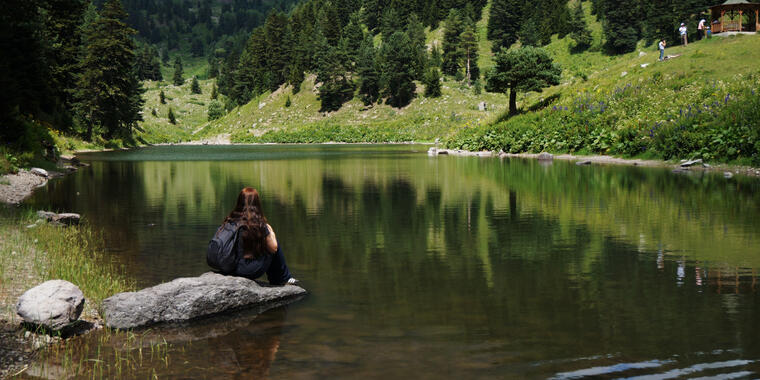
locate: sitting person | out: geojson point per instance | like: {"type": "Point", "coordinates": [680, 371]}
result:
{"type": "Point", "coordinates": [257, 245]}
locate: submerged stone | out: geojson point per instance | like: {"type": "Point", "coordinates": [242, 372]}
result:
{"type": "Point", "coordinates": [188, 298]}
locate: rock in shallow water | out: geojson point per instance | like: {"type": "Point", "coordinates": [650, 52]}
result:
{"type": "Point", "coordinates": [188, 298]}
{"type": "Point", "coordinates": [53, 304]}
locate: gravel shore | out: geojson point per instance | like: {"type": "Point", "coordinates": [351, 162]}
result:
{"type": "Point", "coordinates": [14, 188]}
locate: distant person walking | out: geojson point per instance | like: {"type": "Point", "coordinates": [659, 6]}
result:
{"type": "Point", "coordinates": [682, 31]}
{"type": "Point", "coordinates": [661, 46]}
{"type": "Point", "coordinates": [701, 29]}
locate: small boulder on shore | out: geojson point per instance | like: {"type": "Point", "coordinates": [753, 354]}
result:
{"type": "Point", "coordinates": [53, 304]}
{"type": "Point", "coordinates": [68, 218]}
{"type": "Point", "coordinates": [188, 298]}
{"type": "Point", "coordinates": [543, 156]}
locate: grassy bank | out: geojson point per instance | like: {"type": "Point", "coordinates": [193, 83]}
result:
{"type": "Point", "coordinates": [705, 103]}
{"type": "Point", "coordinates": [45, 252]}
{"type": "Point", "coordinates": [30, 256]}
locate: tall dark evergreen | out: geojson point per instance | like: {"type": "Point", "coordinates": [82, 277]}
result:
{"type": "Point", "coordinates": [276, 35]}
{"type": "Point", "coordinates": [416, 33]}
{"type": "Point", "coordinates": [333, 73]}
{"type": "Point", "coordinates": [109, 95]}
{"type": "Point", "coordinates": [148, 65]}
{"type": "Point", "coordinates": [397, 70]}
{"type": "Point", "coordinates": [369, 75]}
{"type": "Point", "coordinates": [195, 87]}
{"type": "Point", "coordinates": [178, 78]}
{"type": "Point", "coordinates": [580, 32]}
{"type": "Point", "coordinates": [353, 35]}
{"type": "Point", "coordinates": [452, 41]}
{"type": "Point", "coordinates": [504, 21]}
{"type": "Point", "coordinates": [432, 83]}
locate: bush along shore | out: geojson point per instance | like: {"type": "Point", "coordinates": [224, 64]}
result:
{"type": "Point", "coordinates": [665, 117]}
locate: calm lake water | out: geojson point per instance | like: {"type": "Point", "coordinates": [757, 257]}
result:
{"type": "Point", "coordinates": [444, 267]}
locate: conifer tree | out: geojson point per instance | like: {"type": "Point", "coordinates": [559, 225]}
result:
{"type": "Point", "coordinates": [432, 83]}
{"type": "Point", "coordinates": [332, 72]}
{"type": "Point", "coordinates": [162, 97]}
{"type": "Point", "coordinates": [397, 78]}
{"type": "Point", "coordinates": [452, 54]}
{"type": "Point", "coordinates": [109, 94]}
{"type": "Point", "coordinates": [329, 22]}
{"type": "Point", "coordinates": [369, 77]}
{"type": "Point", "coordinates": [469, 46]}
{"type": "Point", "coordinates": [214, 92]}
{"type": "Point", "coordinates": [213, 67]}
{"type": "Point", "coordinates": [195, 87]}
{"type": "Point", "coordinates": [580, 32]}
{"type": "Point", "coordinates": [277, 48]}
{"type": "Point", "coordinates": [390, 22]}
{"type": "Point", "coordinates": [521, 70]}
{"type": "Point", "coordinates": [435, 56]}
{"type": "Point", "coordinates": [171, 117]}
{"type": "Point", "coordinates": [416, 33]}
{"type": "Point", "coordinates": [353, 35]}
{"type": "Point", "coordinates": [504, 22]}
{"type": "Point", "coordinates": [178, 72]}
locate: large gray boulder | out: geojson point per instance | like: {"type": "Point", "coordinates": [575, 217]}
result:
{"type": "Point", "coordinates": [188, 298]}
{"type": "Point", "coordinates": [53, 304]}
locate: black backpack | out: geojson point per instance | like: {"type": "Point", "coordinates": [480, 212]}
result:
{"type": "Point", "coordinates": [222, 253]}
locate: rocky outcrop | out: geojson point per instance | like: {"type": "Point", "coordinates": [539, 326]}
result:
{"type": "Point", "coordinates": [188, 298]}
{"type": "Point", "coordinates": [53, 304]}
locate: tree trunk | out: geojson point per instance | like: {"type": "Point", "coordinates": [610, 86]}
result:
{"type": "Point", "coordinates": [468, 67]}
{"type": "Point", "coordinates": [512, 101]}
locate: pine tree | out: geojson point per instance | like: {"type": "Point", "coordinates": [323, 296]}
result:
{"type": "Point", "coordinates": [416, 33]}
{"type": "Point", "coordinates": [109, 93]}
{"type": "Point", "coordinates": [195, 87]}
{"type": "Point", "coordinates": [397, 70]}
{"type": "Point", "coordinates": [390, 22]}
{"type": "Point", "coordinates": [353, 35]}
{"type": "Point", "coordinates": [178, 72]}
{"type": "Point", "coordinates": [215, 110]}
{"type": "Point", "coordinates": [213, 67]}
{"type": "Point", "coordinates": [530, 34]}
{"type": "Point", "coordinates": [162, 97]}
{"type": "Point", "coordinates": [196, 47]}
{"type": "Point", "coordinates": [524, 69]}
{"type": "Point", "coordinates": [432, 83]}
{"type": "Point", "coordinates": [214, 92]}
{"type": "Point", "coordinates": [170, 116]}
{"type": "Point", "coordinates": [369, 77]}
{"type": "Point", "coordinates": [332, 72]}
{"type": "Point", "coordinates": [469, 46]}
{"type": "Point", "coordinates": [580, 32]}
{"type": "Point", "coordinates": [276, 40]}
{"type": "Point", "coordinates": [452, 54]}
{"type": "Point", "coordinates": [435, 56]}
{"type": "Point", "coordinates": [505, 19]}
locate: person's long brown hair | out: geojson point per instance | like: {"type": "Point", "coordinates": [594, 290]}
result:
{"type": "Point", "coordinates": [249, 218]}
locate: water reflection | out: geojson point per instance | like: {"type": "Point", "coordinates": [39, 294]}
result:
{"type": "Point", "coordinates": [475, 268]}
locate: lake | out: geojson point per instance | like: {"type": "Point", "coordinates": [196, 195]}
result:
{"type": "Point", "coordinates": [443, 267]}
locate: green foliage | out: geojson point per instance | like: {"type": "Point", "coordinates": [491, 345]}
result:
{"type": "Point", "coordinates": [452, 41]}
{"type": "Point", "coordinates": [195, 88]}
{"type": "Point", "coordinates": [148, 65]}
{"type": "Point", "coordinates": [524, 69]}
{"type": "Point", "coordinates": [469, 45]}
{"type": "Point", "coordinates": [162, 97]}
{"type": "Point", "coordinates": [215, 110]}
{"type": "Point", "coordinates": [397, 68]}
{"type": "Point", "coordinates": [504, 22]}
{"type": "Point", "coordinates": [580, 31]}
{"type": "Point", "coordinates": [432, 83]}
{"type": "Point", "coordinates": [336, 87]}
{"type": "Point", "coordinates": [325, 132]}
{"type": "Point", "coordinates": [287, 102]}
{"type": "Point", "coordinates": [369, 76]}
{"type": "Point", "coordinates": [171, 117]}
{"type": "Point", "coordinates": [214, 92]}
{"type": "Point", "coordinates": [178, 78]}
{"type": "Point", "coordinates": [109, 95]}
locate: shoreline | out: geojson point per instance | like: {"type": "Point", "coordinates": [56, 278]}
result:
{"type": "Point", "coordinates": [678, 167]}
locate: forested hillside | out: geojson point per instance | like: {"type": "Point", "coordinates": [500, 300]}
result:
{"type": "Point", "coordinates": [80, 68]}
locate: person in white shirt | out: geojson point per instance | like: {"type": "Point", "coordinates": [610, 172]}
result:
{"type": "Point", "coordinates": [682, 31]}
{"type": "Point", "coordinates": [701, 29]}
{"type": "Point", "coordinates": [661, 46]}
